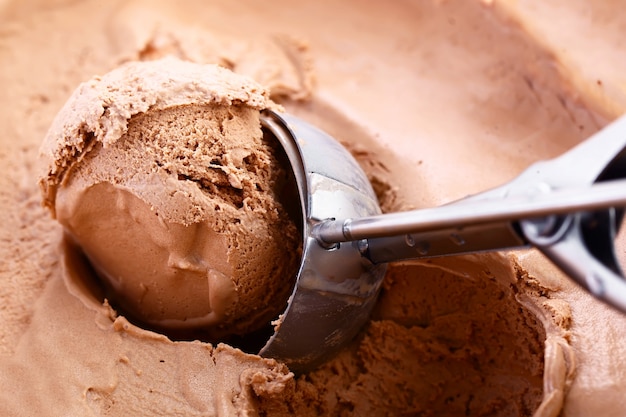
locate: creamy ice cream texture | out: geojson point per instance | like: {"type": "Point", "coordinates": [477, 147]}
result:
{"type": "Point", "coordinates": [160, 172]}
{"type": "Point", "coordinates": [494, 86]}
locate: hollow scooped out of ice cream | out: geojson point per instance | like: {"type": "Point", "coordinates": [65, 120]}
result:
{"type": "Point", "coordinates": [161, 173]}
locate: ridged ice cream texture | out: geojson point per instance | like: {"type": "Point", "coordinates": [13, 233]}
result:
{"type": "Point", "coordinates": [162, 175]}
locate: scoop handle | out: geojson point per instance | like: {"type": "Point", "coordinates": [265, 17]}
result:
{"type": "Point", "coordinates": [582, 246]}
{"type": "Point", "coordinates": [570, 183]}
{"type": "Point", "coordinates": [570, 208]}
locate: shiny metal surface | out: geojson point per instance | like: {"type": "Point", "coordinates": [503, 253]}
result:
{"type": "Point", "coordinates": [336, 287]}
{"type": "Point", "coordinates": [570, 208]}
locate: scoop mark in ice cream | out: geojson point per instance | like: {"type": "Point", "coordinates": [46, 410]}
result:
{"type": "Point", "coordinates": [165, 180]}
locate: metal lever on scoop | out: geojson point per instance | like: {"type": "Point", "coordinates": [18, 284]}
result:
{"type": "Point", "coordinates": [570, 208]}
{"type": "Point", "coordinates": [458, 216]}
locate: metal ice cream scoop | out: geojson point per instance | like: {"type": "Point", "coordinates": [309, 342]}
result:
{"type": "Point", "coordinates": [570, 208]}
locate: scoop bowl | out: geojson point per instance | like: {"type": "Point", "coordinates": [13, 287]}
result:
{"type": "Point", "coordinates": [336, 287]}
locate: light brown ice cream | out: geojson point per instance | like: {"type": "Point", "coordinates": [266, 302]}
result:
{"type": "Point", "coordinates": [436, 99]}
{"type": "Point", "coordinates": [161, 174]}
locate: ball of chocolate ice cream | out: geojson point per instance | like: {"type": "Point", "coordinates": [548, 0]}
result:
{"type": "Point", "coordinates": [160, 172]}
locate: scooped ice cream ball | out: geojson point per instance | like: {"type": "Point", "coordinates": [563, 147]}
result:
{"type": "Point", "coordinates": [161, 174]}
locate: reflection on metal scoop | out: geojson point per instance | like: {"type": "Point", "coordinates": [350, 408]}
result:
{"type": "Point", "coordinates": [570, 208]}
